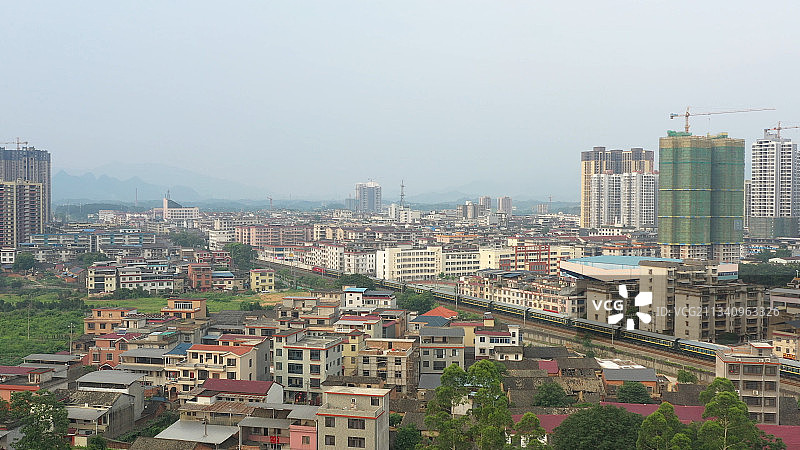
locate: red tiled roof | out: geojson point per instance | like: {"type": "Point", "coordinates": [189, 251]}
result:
{"type": "Point", "coordinates": [548, 421]}
{"type": "Point", "coordinates": [550, 366]}
{"type": "Point", "coordinates": [789, 433]}
{"type": "Point", "coordinates": [237, 386]}
{"type": "Point", "coordinates": [441, 311]}
{"type": "Point", "coordinates": [15, 370]}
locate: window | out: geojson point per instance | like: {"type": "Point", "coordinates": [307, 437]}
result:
{"type": "Point", "coordinates": [315, 355]}
{"type": "Point", "coordinates": [770, 370]}
{"type": "Point", "coordinates": [753, 369]}
{"type": "Point", "coordinates": [426, 352]}
{"type": "Point", "coordinates": [454, 352]}
{"type": "Point", "coordinates": [231, 362]}
{"type": "Point", "coordinates": [356, 442]}
{"type": "Point", "coordinates": [278, 352]}
{"type": "Point", "coordinates": [733, 369]}
{"type": "Point", "coordinates": [375, 401]}
{"type": "Point", "coordinates": [426, 363]}
{"type": "Point", "coordinates": [278, 366]}
{"type": "Point", "coordinates": [330, 422]}
{"type": "Point", "coordinates": [366, 373]}
{"type": "Point", "coordinates": [315, 369]}
{"type": "Point", "coordinates": [398, 361]}
{"type": "Point", "coordinates": [306, 440]}
{"type": "Point", "coordinates": [314, 383]}
{"type": "Point", "coordinates": [438, 365]}
{"type": "Point", "coordinates": [295, 368]}
{"type": "Point", "coordinates": [352, 348]}
{"type": "Point", "coordinates": [330, 440]}
{"type": "Point", "coordinates": [295, 355]}
{"type": "Point", "coordinates": [90, 326]}
{"type": "Point", "coordinates": [365, 360]}
{"type": "Point", "coordinates": [96, 357]}
{"type": "Point", "coordinates": [231, 375]}
{"type": "Point", "coordinates": [109, 357]}
{"type": "Point", "coordinates": [356, 424]}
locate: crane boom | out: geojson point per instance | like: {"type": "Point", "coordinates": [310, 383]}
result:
{"type": "Point", "coordinates": [779, 128]}
{"type": "Point", "coordinates": [687, 114]}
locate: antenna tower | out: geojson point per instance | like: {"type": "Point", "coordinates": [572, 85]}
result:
{"type": "Point", "coordinates": [402, 193]}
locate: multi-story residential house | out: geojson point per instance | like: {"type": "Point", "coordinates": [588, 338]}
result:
{"type": "Point", "coordinates": [147, 362]}
{"type": "Point", "coordinates": [259, 236]}
{"type": "Point", "coordinates": [149, 280]}
{"type": "Point", "coordinates": [262, 280]}
{"type": "Point", "coordinates": [199, 276]}
{"type": "Point", "coordinates": [303, 362]}
{"type": "Point", "coordinates": [440, 347]}
{"type": "Point", "coordinates": [186, 308]}
{"type": "Point", "coordinates": [371, 325]}
{"type": "Point", "coordinates": [406, 263]}
{"type": "Point", "coordinates": [526, 289]}
{"type": "Point", "coordinates": [115, 381]}
{"type": "Point", "coordinates": [786, 343]}
{"type": "Point", "coordinates": [352, 344]}
{"type": "Point", "coordinates": [107, 348]}
{"type": "Point", "coordinates": [101, 278]}
{"type": "Point", "coordinates": [104, 320]}
{"type": "Point", "coordinates": [366, 298]}
{"type": "Point", "coordinates": [755, 372]}
{"type": "Point", "coordinates": [352, 417]}
{"type": "Point", "coordinates": [201, 362]}
{"type": "Point", "coordinates": [487, 341]}
{"type": "Point", "coordinates": [394, 361]}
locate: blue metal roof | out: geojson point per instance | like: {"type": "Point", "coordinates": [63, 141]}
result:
{"type": "Point", "coordinates": [617, 262]}
{"type": "Point", "coordinates": [180, 349]}
{"type": "Point", "coordinates": [356, 289]}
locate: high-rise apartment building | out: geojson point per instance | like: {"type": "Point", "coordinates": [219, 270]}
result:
{"type": "Point", "coordinates": [701, 196]}
{"type": "Point", "coordinates": [627, 199]}
{"type": "Point", "coordinates": [775, 188]}
{"type": "Point", "coordinates": [28, 164]}
{"type": "Point", "coordinates": [486, 202]}
{"type": "Point", "coordinates": [23, 211]}
{"type": "Point", "coordinates": [600, 160]}
{"type": "Point", "coordinates": [504, 205]}
{"type": "Point", "coordinates": [368, 197]}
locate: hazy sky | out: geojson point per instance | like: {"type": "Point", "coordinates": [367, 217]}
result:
{"type": "Point", "coordinates": [310, 97]}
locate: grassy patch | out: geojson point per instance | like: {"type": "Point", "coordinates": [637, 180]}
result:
{"type": "Point", "coordinates": [49, 333]}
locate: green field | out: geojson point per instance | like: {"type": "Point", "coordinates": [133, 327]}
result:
{"type": "Point", "coordinates": [49, 333]}
{"type": "Point", "coordinates": [215, 301]}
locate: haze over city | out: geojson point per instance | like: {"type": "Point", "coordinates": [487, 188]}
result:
{"type": "Point", "coordinates": [449, 96]}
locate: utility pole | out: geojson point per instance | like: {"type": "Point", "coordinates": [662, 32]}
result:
{"type": "Point", "coordinates": [71, 326]}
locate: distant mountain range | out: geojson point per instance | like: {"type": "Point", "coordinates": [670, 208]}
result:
{"type": "Point", "coordinates": [152, 182]}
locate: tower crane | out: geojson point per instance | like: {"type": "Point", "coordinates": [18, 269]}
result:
{"type": "Point", "coordinates": [18, 143]}
{"type": "Point", "coordinates": [710, 113]}
{"type": "Point", "coordinates": [779, 128]}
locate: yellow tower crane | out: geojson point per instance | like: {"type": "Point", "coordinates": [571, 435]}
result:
{"type": "Point", "coordinates": [779, 128]}
{"type": "Point", "coordinates": [687, 114]}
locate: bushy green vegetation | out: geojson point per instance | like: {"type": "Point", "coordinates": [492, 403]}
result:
{"type": "Point", "coordinates": [551, 394]}
{"type": "Point", "coordinates": [357, 280]}
{"type": "Point", "coordinates": [766, 255]}
{"type": "Point", "coordinates": [242, 255]}
{"type": "Point", "coordinates": [187, 239]}
{"type": "Point", "coordinates": [420, 303]}
{"type": "Point", "coordinates": [770, 275]}
{"type": "Point", "coordinates": [151, 428]}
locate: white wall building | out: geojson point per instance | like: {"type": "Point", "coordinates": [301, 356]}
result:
{"type": "Point", "coordinates": [627, 199]}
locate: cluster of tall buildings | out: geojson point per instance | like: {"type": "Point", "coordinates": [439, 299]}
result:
{"type": "Point", "coordinates": [25, 193]}
{"type": "Point", "coordinates": [618, 188]}
{"type": "Point", "coordinates": [698, 197]}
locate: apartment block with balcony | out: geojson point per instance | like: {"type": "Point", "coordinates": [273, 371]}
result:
{"type": "Point", "coordinates": [440, 347]}
{"type": "Point", "coordinates": [101, 278]}
{"type": "Point", "coordinates": [105, 320]}
{"type": "Point", "coordinates": [303, 362]}
{"type": "Point", "coordinates": [367, 298]}
{"type": "Point", "coordinates": [185, 308]}
{"type": "Point", "coordinates": [371, 325]}
{"type": "Point", "coordinates": [487, 341]}
{"type": "Point", "coordinates": [755, 372]}
{"type": "Point", "coordinates": [199, 275]}
{"type": "Point", "coordinates": [201, 362]}
{"type": "Point", "coordinates": [107, 348]}
{"type": "Point", "coordinates": [352, 417]}
{"type": "Point", "coordinates": [262, 280]}
{"type": "Point", "coordinates": [394, 361]}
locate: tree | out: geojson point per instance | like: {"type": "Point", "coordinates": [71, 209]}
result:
{"type": "Point", "coordinates": [551, 394]}
{"type": "Point", "coordinates": [421, 303]}
{"type": "Point", "coordinates": [452, 430]}
{"type": "Point", "coordinates": [659, 428]}
{"type": "Point", "coordinates": [44, 421]}
{"type": "Point", "coordinates": [684, 376]}
{"type": "Point", "coordinates": [356, 279]}
{"type": "Point", "coordinates": [489, 404]}
{"type": "Point", "coordinates": [633, 392]}
{"type": "Point", "coordinates": [598, 428]}
{"type": "Point", "coordinates": [407, 437]}
{"type": "Point", "coordinates": [730, 426]}
{"type": "Point", "coordinates": [23, 261]}
{"type": "Point", "coordinates": [87, 259]}
{"type": "Point", "coordinates": [529, 431]}
{"type": "Point", "coordinates": [187, 239]}
{"type": "Point", "coordinates": [395, 419]}
{"type": "Point", "coordinates": [241, 254]}
{"type": "Point", "coordinates": [718, 385]}
{"type": "Point", "coordinates": [96, 442]}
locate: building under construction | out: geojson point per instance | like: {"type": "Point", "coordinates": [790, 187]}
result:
{"type": "Point", "coordinates": [701, 196]}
